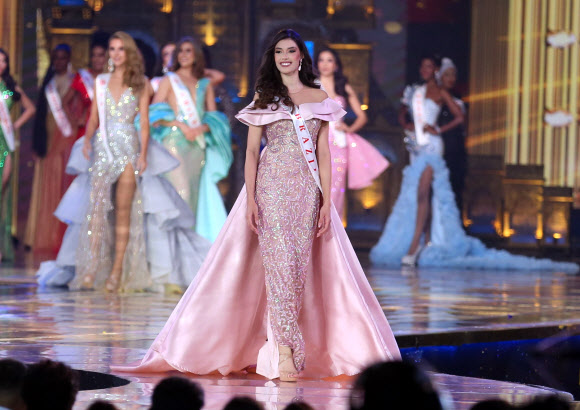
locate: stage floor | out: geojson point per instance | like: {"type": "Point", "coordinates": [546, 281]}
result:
{"type": "Point", "coordinates": [91, 330]}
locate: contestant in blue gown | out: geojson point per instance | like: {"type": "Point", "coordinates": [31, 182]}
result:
{"type": "Point", "coordinates": [424, 227]}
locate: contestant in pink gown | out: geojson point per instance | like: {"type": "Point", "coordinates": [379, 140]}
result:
{"type": "Point", "coordinates": [284, 287]}
{"type": "Point", "coordinates": [353, 159]}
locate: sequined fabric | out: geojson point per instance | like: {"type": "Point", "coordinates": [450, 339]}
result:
{"type": "Point", "coordinates": [186, 177]}
{"type": "Point", "coordinates": [6, 248]}
{"type": "Point", "coordinates": [288, 202]}
{"type": "Point", "coordinates": [97, 239]}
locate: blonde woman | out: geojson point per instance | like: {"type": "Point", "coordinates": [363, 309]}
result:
{"type": "Point", "coordinates": [129, 230]}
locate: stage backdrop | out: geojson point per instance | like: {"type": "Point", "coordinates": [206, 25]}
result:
{"type": "Point", "coordinates": [524, 87]}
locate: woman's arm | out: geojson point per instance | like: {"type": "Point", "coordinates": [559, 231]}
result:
{"type": "Point", "coordinates": [250, 172]}
{"type": "Point", "coordinates": [455, 110]}
{"type": "Point", "coordinates": [215, 76]}
{"type": "Point", "coordinates": [162, 93]}
{"type": "Point", "coordinates": [66, 100]}
{"type": "Point", "coordinates": [144, 99]}
{"type": "Point", "coordinates": [92, 126]}
{"type": "Point", "coordinates": [210, 104]}
{"type": "Point", "coordinates": [323, 156]}
{"type": "Point", "coordinates": [28, 109]}
{"type": "Point", "coordinates": [361, 116]}
{"type": "Point", "coordinates": [403, 118]}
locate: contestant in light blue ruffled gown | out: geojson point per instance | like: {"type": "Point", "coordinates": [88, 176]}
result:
{"type": "Point", "coordinates": [425, 212]}
{"type": "Point", "coordinates": [186, 122]}
{"type": "Point", "coordinates": [128, 229]}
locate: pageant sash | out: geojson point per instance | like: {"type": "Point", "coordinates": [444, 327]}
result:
{"type": "Point", "coordinates": [339, 135]}
{"type": "Point", "coordinates": [88, 81]}
{"type": "Point", "coordinates": [419, 115]}
{"type": "Point", "coordinates": [155, 81]}
{"type": "Point", "coordinates": [6, 123]}
{"type": "Point", "coordinates": [101, 86]}
{"type": "Point", "coordinates": [305, 140]}
{"type": "Point", "coordinates": [55, 104]}
{"type": "Point", "coordinates": [186, 105]}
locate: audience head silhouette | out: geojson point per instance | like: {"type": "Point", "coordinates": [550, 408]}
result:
{"type": "Point", "coordinates": [299, 405]}
{"type": "Point", "coordinates": [243, 403]}
{"type": "Point", "coordinates": [101, 405]}
{"type": "Point", "coordinates": [12, 374]}
{"type": "Point", "coordinates": [493, 404]}
{"type": "Point", "coordinates": [50, 385]}
{"type": "Point", "coordinates": [177, 393]}
{"type": "Point", "coordinates": [394, 386]}
{"type": "Point", "coordinates": [547, 403]}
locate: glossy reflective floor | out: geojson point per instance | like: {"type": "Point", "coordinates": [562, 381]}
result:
{"type": "Point", "coordinates": [425, 307]}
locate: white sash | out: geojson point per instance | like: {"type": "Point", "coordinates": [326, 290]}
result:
{"type": "Point", "coordinates": [101, 86]}
{"type": "Point", "coordinates": [88, 82]}
{"type": "Point", "coordinates": [186, 105]}
{"type": "Point", "coordinates": [419, 115]}
{"type": "Point", "coordinates": [305, 140]}
{"type": "Point", "coordinates": [339, 135]}
{"type": "Point", "coordinates": [58, 113]}
{"type": "Point", "coordinates": [155, 81]}
{"type": "Point", "coordinates": [6, 123]}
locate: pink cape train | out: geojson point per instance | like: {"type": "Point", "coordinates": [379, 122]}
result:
{"type": "Point", "coordinates": [221, 322]}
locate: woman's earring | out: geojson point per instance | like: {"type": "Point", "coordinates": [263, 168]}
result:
{"type": "Point", "coordinates": [300, 65]}
{"type": "Point", "coordinates": [110, 65]}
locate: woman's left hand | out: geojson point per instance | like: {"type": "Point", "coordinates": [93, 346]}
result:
{"type": "Point", "coordinates": [142, 163]}
{"type": "Point", "coordinates": [341, 126]}
{"type": "Point", "coordinates": [323, 220]}
{"type": "Point", "coordinates": [430, 129]}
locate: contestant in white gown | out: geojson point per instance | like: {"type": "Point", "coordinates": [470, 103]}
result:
{"type": "Point", "coordinates": [424, 227]}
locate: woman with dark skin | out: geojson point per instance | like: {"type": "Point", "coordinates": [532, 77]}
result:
{"type": "Point", "coordinates": [425, 208]}
{"type": "Point", "coordinates": [11, 94]}
{"type": "Point", "coordinates": [52, 144]}
{"type": "Point", "coordinates": [454, 139]}
{"type": "Point", "coordinates": [434, 93]}
{"type": "Point", "coordinates": [82, 92]}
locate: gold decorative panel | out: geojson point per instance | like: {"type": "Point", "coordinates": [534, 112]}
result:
{"type": "Point", "coordinates": [482, 199]}
{"type": "Point", "coordinates": [557, 204]}
{"type": "Point", "coordinates": [356, 61]}
{"type": "Point", "coordinates": [523, 193]}
{"type": "Point", "coordinates": [517, 77]}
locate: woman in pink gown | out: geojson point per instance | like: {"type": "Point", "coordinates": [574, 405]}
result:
{"type": "Point", "coordinates": [352, 157]}
{"type": "Point", "coordinates": [281, 288]}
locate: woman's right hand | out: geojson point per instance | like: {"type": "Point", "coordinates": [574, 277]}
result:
{"type": "Point", "coordinates": [87, 148]}
{"type": "Point", "coordinates": [252, 215]}
{"type": "Point", "coordinates": [191, 133]}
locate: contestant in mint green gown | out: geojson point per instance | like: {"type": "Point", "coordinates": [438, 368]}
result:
{"type": "Point", "coordinates": [203, 162]}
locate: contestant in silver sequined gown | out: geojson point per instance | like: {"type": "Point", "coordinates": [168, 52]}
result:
{"type": "Point", "coordinates": [97, 239]}
{"type": "Point", "coordinates": [288, 201]}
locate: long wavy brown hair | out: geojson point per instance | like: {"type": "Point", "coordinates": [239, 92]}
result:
{"type": "Point", "coordinates": [199, 59]}
{"type": "Point", "coordinates": [269, 85]}
{"type": "Point", "coordinates": [134, 75]}
{"type": "Point", "coordinates": [340, 80]}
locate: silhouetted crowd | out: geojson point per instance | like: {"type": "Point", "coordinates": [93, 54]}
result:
{"type": "Point", "coordinates": [51, 385]}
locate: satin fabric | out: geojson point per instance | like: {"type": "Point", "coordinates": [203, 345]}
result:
{"type": "Point", "coordinates": [209, 208]}
{"type": "Point", "coordinates": [221, 322]}
{"type": "Point", "coordinates": [365, 162]}
{"type": "Point", "coordinates": [354, 158]}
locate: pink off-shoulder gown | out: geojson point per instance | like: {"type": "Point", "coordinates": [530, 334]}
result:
{"type": "Point", "coordinates": [354, 158]}
{"type": "Point", "coordinates": [282, 286]}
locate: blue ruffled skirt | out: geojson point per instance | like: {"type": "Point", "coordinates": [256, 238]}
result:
{"type": "Point", "coordinates": [450, 247]}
